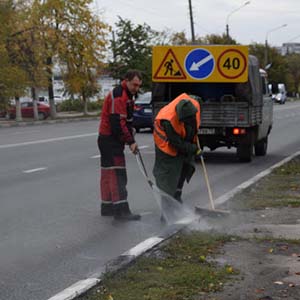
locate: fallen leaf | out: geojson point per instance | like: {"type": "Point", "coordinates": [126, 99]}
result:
{"type": "Point", "coordinates": [284, 247]}
{"type": "Point", "coordinates": [110, 297]}
{"type": "Point", "coordinates": [297, 273]}
{"type": "Point", "coordinates": [259, 291]}
{"type": "Point", "coordinates": [291, 285]}
{"type": "Point", "coordinates": [271, 250]}
{"type": "Point", "coordinates": [295, 255]}
{"type": "Point", "coordinates": [202, 258]}
{"type": "Point", "coordinates": [229, 269]}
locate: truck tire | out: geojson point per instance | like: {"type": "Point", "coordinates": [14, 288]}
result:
{"type": "Point", "coordinates": [245, 152]}
{"type": "Point", "coordinates": [261, 147]}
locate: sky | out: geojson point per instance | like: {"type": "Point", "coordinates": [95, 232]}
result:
{"type": "Point", "coordinates": [252, 23]}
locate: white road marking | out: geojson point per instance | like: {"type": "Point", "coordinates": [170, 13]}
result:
{"type": "Point", "coordinates": [34, 170]}
{"type": "Point", "coordinates": [96, 156]}
{"type": "Point", "coordinates": [63, 138]}
{"type": "Point", "coordinates": [76, 289]}
{"type": "Point", "coordinates": [143, 147]}
{"type": "Point", "coordinates": [143, 246]}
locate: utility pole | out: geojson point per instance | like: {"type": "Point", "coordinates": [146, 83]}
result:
{"type": "Point", "coordinates": [192, 21]}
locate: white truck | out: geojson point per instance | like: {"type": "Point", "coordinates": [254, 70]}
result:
{"type": "Point", "coordinates": [233, 114]}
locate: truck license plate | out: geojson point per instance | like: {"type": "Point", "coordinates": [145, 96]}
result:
{"type": "Point", "coordinates": [206, 131]}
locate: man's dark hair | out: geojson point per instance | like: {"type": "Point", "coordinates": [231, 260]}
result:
{"type": "Point", "coordinates": [130, 74]}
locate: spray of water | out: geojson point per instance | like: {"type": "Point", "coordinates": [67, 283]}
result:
{"type": "Point", "coordinates": [172, 211]}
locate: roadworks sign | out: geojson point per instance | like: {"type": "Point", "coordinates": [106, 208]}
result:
{"type": "Point", "coordinates": [200, 63]}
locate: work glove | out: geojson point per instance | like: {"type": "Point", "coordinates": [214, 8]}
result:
{"type": "Point", "coordinates": [134, 148]}
{"type": "Point", "coordinates": [133, 131]}
{"type": "Point", "coordinates": [198, 155]}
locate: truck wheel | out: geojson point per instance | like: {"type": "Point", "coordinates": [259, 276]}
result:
{"type": "Point", "coordinates": [261, 147]}
{"type": "Point", "coordinates": [245, 152]}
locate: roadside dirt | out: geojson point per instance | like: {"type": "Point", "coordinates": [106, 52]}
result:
{"type": "Point", "coordinates": [266, 254]}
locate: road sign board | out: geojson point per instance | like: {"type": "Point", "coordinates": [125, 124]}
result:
{"type": "Point", "coordinates": [169, 68]}
{"type": "Point", "coordinates": [199, 63]}
{"type": "Point", "coordinates": [205, 63]}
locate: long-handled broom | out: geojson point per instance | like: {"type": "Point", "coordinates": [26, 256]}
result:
{"type": "Point", "coordinates": [212, 211]}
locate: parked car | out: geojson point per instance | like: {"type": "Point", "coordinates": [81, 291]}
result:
{"type": "Point", "coordinates": [2, 113]}
{"type": "Point", "coordinates": [280, 94]}
{"type": "Point", "coordinates": [27, 110]}
{"type": "Point", "coordinates": [143, 115]}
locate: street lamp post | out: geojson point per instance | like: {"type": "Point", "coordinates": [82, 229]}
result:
{"type": "Point", "coordinates": [227, 19]}
{"type": "Point", "coordinates": [266, 41]}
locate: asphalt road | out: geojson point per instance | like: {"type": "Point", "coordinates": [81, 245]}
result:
{"type": "Point", "coordinates": [51, 231]}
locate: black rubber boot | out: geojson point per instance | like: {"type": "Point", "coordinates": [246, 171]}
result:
{"type": "Point", "coordinates": [123, 213]}
{"type": "Point", "coordinates": [127, 217]}
{"type": "Point", "coordinates": [107, 209]}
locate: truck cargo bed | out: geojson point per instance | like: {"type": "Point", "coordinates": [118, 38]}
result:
{"type": "Point", "coordinates": [230, 114]}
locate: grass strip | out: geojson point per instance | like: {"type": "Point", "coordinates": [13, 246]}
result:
{"type": "Point", "coordinates": [179, 269]}
{"type": "Point", "coordinates": [279, 189]}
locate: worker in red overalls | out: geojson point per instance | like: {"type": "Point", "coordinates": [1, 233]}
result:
{"type": "Point", "coordinates": [115, 130]}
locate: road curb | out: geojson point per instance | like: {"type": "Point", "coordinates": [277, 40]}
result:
{"type": "Point", "coordinates": [46, 122]}
{"type": "Point", "coordinates": [253, 180]}
{"type": "Point", "coordinates": [82, 286]}
{"type": "Point", "coordinates": [124, 259]}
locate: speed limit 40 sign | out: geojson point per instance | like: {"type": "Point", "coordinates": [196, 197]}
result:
{"type": "Point", "coordinates": [232, 63]}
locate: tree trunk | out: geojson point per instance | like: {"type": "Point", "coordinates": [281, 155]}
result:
{"type": "Point", "coordinates": [34, 101]}
{"type": "Point", "coordinates": [18, 110]}
{"type": "Point", "coordinates": [85, 105]}
{"type": "Point", "coordinates": [50, 89]}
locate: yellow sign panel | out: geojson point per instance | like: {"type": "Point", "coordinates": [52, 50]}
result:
{"type": "Point", "coordinates": [200, 63]}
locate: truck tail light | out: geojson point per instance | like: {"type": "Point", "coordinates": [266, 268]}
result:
{"type": "Point", "coordinates": [239, 131]}
{"type": "Point", "coordinates": [137, 107]}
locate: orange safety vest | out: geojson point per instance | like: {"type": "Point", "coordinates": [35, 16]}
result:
{"type": "Point", "coordinates": [168, 113]}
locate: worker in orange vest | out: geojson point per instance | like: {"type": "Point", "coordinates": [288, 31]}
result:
{"type": "Point", "coordinates": [175, 134]}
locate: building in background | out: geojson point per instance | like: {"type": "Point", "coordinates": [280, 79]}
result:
{"type": "Point", "coordinates": [289, 48]}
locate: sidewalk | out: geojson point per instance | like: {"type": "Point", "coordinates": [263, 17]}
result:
{"type": "Point", "coordinates": [62, 117]}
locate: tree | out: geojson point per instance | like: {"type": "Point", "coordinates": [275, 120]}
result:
{"type": "Point", "coordinates": [132, 50]}
{"type": "Point", "coordinates": [76, 40]}
{"type": "Point", "coordinates": [278, 70]}
{"type": "Point", "coordinates": [13, 79]}
{"type": "Point", "coordinates": [215, 39]}
{"type": "Point", "coordinates": [26, 46]}
{"type": "Point", "coordinates": [293, 64]}
{"type": "Point", "coordinates": [82, 49]}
